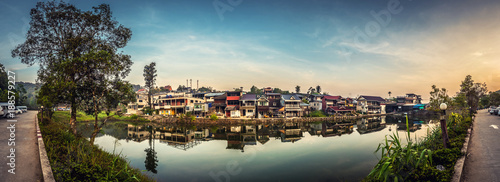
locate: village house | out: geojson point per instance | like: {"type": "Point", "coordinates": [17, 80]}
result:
{"type": "Point", "coordinates": [315, 102]}
{"type": "Point", "coordinates": [292, 105]}
{"type": "Point", "coordinates": [371, 104]}
{"type": "Point", "coordinates": [275, 103]}
{"type": "Point", "coordinates": [406, 103]}
{"type": "Point", "coordinates": [248, 105]}
{"type": "Point", "coordinates": [329, 101]}
{"type": "Point", "coordinates": [233, 103]}
{"type": "Point", "coordinates": [177, 104]}
{"type": "Point", "coordinates": [141, 102]}
{"type": "Point", "coordinates": [262, 106]}
{"type": "Point", "coordinates": [220, 104]}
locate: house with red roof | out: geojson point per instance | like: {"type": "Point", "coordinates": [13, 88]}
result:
{"type": "Point", "coordinates": [233, 103]}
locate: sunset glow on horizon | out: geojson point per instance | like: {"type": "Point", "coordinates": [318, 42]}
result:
{"type": "Point", "coordinates": [349, 48]}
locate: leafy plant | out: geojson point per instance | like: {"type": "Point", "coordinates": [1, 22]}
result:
{"type": "Point", "coordinates": [397, 161]}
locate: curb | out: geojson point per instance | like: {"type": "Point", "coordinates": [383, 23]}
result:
{"type": "Point", "coordinates": [459, 165]}
{"type": "Point", "coordinates": [44, 160]}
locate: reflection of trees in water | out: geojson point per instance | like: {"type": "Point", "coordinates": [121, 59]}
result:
{"type": "Point", "coordinates": [151, 161]}
{"type": "Point", "coordinates": [117, 130]}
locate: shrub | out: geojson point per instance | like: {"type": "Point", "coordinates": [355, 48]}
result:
{"type": "Point", "coordinates": [73, 158]}
{"type": "Point", "coordinates": [213, 117]}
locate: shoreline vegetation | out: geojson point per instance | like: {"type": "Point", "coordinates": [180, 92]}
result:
{"type": "Point", "coordinates": [73, 158]}
{"type": "Point", "coordinates": [424, 160]}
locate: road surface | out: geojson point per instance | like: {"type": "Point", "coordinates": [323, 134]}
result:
{"type": "Point", "coordinates": [25, 158]}
{"type": "Point", "coordinates": [483, 160]}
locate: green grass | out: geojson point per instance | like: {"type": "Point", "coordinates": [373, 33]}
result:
{"type": "Point", "coordinates": [72, 158]}
{"type": "Point", "coordinates": [83, 117]}
{"type": "Point", "coordinates": [418, 160]}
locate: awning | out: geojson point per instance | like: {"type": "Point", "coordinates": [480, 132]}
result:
{"type": "Point", "coordinates": [282, 109]}
{"type": "Point", "coordinates": [418, 106]}
{"type": "Point", "coordinates": [230, 108]}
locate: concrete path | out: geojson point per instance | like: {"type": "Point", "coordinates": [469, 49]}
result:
{"type": "Point", "coordinates": [483, 160]}
{"type": "Point", "coordinates": [26, 155]}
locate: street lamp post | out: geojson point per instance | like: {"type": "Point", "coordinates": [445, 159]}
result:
{"type": "Point", "coordinates": [444, 130]}
{"type": "Point", "coordinates": [42, 113]}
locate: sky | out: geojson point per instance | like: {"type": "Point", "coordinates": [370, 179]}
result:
{"type": "Point", "coordinates": [349, 48]}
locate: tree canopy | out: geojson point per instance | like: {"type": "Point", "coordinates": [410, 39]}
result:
{"type": "Point", "coordinates": [150, 79]}
{"type": "Point", "coordinates": [75, 50]}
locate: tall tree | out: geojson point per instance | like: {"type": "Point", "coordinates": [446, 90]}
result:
{"type": "Point", "coordinates": [389, 93]}
{"type": "Point", "coordinates": [473, 92]}
{"type": "Point", "coordinates": [318, 89]}
{"type": "Point", "coordinates": [438, 96]}
{"type": "Point", "coordinates": [62, 38]}
{"type": "Point", "coordinates": [297, 89]}
{"type": "Point", "coordinates": [150, 79]}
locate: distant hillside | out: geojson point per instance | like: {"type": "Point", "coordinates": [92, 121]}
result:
{"type": "Point", "coordinates": [31, 90]}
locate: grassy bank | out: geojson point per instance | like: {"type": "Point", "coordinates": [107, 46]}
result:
{"type": "Point", "coordinates": [83, 117]}
{"type": "Point", "coordinates": [72, 158]}
{"type": "Point", "coordinates": [425, 160]}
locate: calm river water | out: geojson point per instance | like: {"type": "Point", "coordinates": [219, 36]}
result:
{"type": "Point", "coordinates": [276, 152]}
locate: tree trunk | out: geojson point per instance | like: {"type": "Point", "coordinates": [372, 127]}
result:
{"type": "Point", "coordinates": [72, 121]}
{"type": "Point", "coordinates": [96, 129]}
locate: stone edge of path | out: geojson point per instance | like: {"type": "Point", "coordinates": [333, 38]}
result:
{"type": "Point", "coordinates": [44, 160]}
{"type": "Point", "coordinates": [459, 165]}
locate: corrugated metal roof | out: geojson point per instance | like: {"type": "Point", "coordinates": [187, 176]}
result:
{"type": "Point", "coordinates": [329, 97]}
{"type": "Point", "coordinates": [249, 97]}
{"type": "Point", "coordinates": [214, 94]}
{"type": "Point", "coordinates": [289, 96]}
{"type": "Point", "coordinates": [373, 98]}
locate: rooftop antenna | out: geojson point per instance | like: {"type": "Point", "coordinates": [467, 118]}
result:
{"type": "Point", "coordinates": [191, 83]}
{"type": "Point", "coordinates": [197, 84]}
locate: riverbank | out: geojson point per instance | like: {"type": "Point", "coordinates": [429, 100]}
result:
{"type": "Point", "coordinates": [172, 120]}
{"type": "Point", "coordinates": [74, 158]}
{"type": "Point", "coordinates": [425, 160]}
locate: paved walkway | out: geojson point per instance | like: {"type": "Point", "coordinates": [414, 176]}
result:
{"type": "Point", "coordinates": [483, 160]}
{"type": "Point", "coordinates": [27, 158]}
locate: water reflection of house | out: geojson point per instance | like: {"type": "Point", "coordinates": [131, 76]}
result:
{"type": "Point", "coordinates": [249, 135]}
{"type": "Point", "coordinates": [203, 134]}
{"type": "Point", "coordinates": [137, 133]}
{"type": "Point", "coordinates": [315, 129]}
{"type": "Point", "coordinates": [180, 138]}
{"type": "Point", "coordinates": [237, 136]}
{"type": "Point", "coordinates": [336, 129]}
{"type": "Point", "coordinates": [368, 125]}
{"type": "Point", "coordinates": [263, 132]}
{"type": "Point", "coordinates": [291, 132]}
